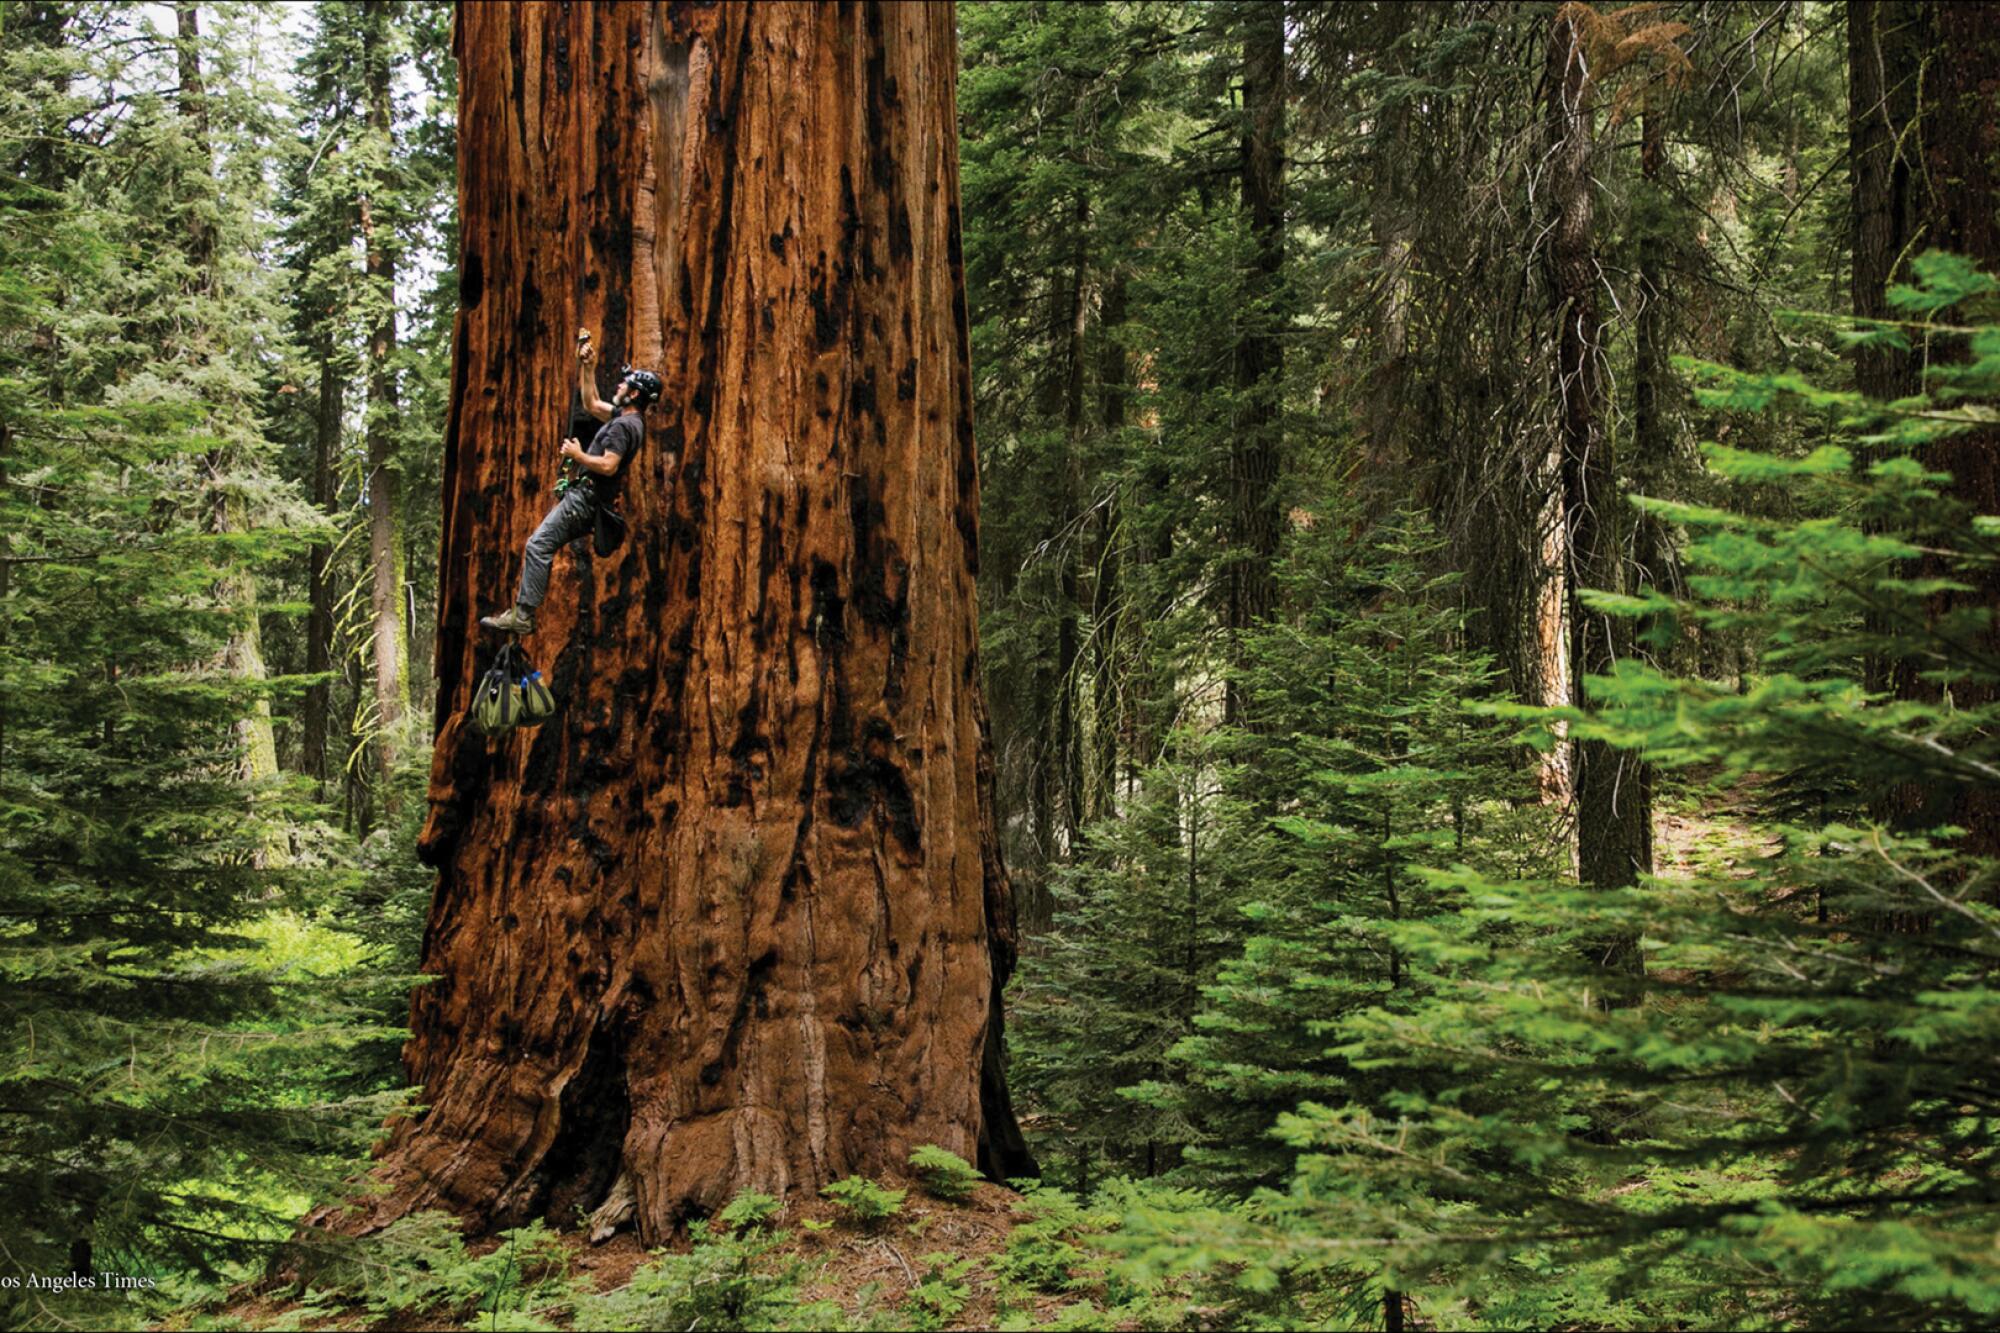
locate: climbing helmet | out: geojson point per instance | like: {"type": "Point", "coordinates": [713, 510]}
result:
{"type": "Point", "coordinates": [644, 383]}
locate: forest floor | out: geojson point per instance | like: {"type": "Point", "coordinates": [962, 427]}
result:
{"type": "Point", "coordinates": [1709, 832]}
{"type": "Point", "coordinates": [871, 1274]}
{"type": "Point", "coordinates": [931, 1265]}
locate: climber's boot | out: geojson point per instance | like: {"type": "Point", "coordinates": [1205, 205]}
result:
{"type": "Point", "coordinates": [520, 620]}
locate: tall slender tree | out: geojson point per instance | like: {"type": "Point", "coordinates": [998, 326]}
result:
{"type": "Point", "coordinates": [1614, 838]}
{"type": "Point", "coordinates": [386, 557]}
{"type": "Point", "coordinates": [1257, 447]}
{"type": "Point", "coordinates": [233, 469]}
{"type": "Point", "coordinates": [1960, 196]}
{"type": "Point", "coordinates": [1921, 81]}
{"type": "Point", "coordinates": [1886, 44]}
{"type": "Point", "coordinates": [153, 1063]}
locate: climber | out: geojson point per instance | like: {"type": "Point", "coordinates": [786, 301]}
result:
{"type": "Point", "coordinates": [575, 514]}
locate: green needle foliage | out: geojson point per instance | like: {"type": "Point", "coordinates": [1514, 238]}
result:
{"type": "Point", "coordinates": [1365, 769]}
{"type": "Point", "coordinates": [163, 1111]}
{"type": "Point", "coordinates": [1790, 1119]}
{"type": "Point", "coordinates": [1210, 939]}
{"type": "Point", "coordinates": [1142, 922]}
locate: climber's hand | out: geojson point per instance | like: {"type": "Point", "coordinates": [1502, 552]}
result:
{"type": "Point", "coordinates": [571, 449]}
{"type": "Point", "coordinates": [586, 351]}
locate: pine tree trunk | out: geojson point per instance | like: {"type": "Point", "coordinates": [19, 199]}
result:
{"type": "Point", "coordinates": [1655, 398]}
{"type": "Point", "coordinates": [1106, 610]}
{"type": "Point", "coordinates": [1924, 91]}
{"type": "Point", "coordinates": [734, 918]}
{"type": "Point", "coordinates": [1655, 392]}
{"type": "Point", "coordinates": [1613, 823]}
{"type": "Point", "coordinates": [1885, 50]}
{"type": "Point", "coordinates": [1545, 637]}
{"type": "Point", "coordinates": [243, 656]}
{"type": "Point", "coordinates": [1383, 476]}
{"type": "Point", "coordinates": [319, 617]}
{"type": "Point", "coordinates": [385, 541]}
{"type": "Point", "coordinates": [191, 103]}
{"type": "Point", "coordinates": [1069, 719]}
{"type": "Point", "coordinates": [1961, 165]}
{"type": "Point", "coordinates": [1256, 446]}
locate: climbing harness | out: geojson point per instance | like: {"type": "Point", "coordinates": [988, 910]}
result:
{"type": "Point", "coordinates": [511, 694]}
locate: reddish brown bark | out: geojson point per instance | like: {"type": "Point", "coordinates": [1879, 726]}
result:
{"type": "Point", "coordinates": [735, 918]}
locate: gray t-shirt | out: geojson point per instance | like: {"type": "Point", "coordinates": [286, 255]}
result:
{"type": "Point", "coordinates": [622, 435]}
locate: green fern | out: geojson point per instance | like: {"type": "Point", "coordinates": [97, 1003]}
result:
{"type": "Point", "coordinates": [946, 1175]}
{"type": "Point", "coordinates": [863, 1201]}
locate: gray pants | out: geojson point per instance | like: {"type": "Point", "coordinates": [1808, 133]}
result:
{"type": "Point", "coordinates": [572, 517]}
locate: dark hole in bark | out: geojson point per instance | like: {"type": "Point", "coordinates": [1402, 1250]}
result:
{"type": "Point", "coordinates": [471, 282]}
{"type": "Point", "coordinates": [596, 1112]}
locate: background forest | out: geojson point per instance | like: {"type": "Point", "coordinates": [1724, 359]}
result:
{"type": "Point", "coordinates": [1490, 516]}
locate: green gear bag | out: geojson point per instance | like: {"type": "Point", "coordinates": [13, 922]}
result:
{"type": "Point", "coordinates": [537, 703]}
{"type": "Point", "coordinates": [497, 705]}
{"type": "Point", "coordinates": [511, 694]}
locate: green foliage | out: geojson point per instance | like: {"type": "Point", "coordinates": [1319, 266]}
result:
{"type": "Point", "coordinates": [184, 1041]}
{"type": "Point", "coordinates": [338, 156]}
{"type": "Point", "coordinates": [1047, 1246]}
{"type": "Point", "coordinates": [945, 1175]}
{"type": "Point", "coordinates": [749, 1211]}
{"type": "Point", "coordinates": [420, 1265]}
{"type": "Point", "coordinates": [864, 1202]}
{"type": "Point", "coordinates": [1782, 1120]}
{"type": "Point", "coordinates": [1365, 770]}
{"type": "Point", "coordinates": [941, 1294]}
{"type": "Point", "coordinates": [1142, 920]}
{"type": "Point", "coordinates": [727, 1280]}
{"type": "Point", "coordinates": [734, 1275]}
{"type": "Point", "coordinates": [1211, 936]}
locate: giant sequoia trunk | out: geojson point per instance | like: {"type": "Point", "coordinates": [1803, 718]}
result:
{"type": "Point", "coordinates": [735, 917]}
